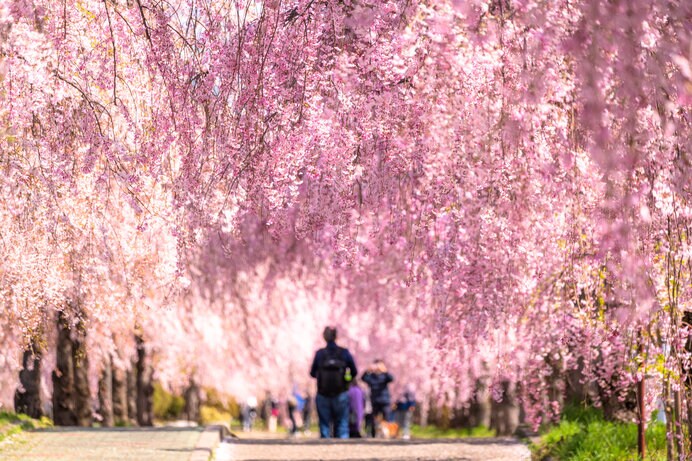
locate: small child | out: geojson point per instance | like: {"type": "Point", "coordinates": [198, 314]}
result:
{"type": "Point", "coordinates": [356, 402]}
{"type": "Point", "coordinates": [404, 408]}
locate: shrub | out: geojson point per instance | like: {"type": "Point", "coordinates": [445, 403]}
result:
{"type": "Point", "coordinates": [434, 432]}
{"type": "Point", "coordinates": [221, 402]}
{"type": "Point", "coordinates": [583, 434]}
{"type": "Point", "coordinates": [210, 415]}
{"type": "Point", "coordinates": [167, 406]}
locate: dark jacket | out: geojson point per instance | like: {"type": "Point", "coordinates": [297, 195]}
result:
{"type": "Point", "coordinates": [345, 356]}
{"type": "Point", "coordinates": [379, 392]}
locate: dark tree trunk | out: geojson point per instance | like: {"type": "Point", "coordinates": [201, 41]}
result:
{"type": "Point", "coordinates": [461, 417]}
{"type": "Point", "coordinates": [687, 382]}
{"type": "Point", "coordinates": [27, 398]}
{"type": "Point", "coordinates": [505, 413]}
{"type": "Point", "coordinates": [420, 412]}
{"type": "Point", "coordinates": [575, 389]}
{"type": "Point", "coordinates": [63, 378]}
{"type": "Point", "coordinates": [106, 395]}
{"type": "Point", "coordinates": [620, 408]}
{"type": "Point", "coordinates": [480, 409]}
{"type": "Point", "coordinates": [83, 408]}
{"type": "Point", "coordinates": [192, 402]}
{"type": "Point", "coordinates": [71, 396]}
{"type": "Point", "coordinates": [145, 388]}
{"type": "Point", "coordinates": [131, 376]}
{"type": "Point", "coordinates": [119, 389]}
{"type": "Point", "coordinates": [80, 360]}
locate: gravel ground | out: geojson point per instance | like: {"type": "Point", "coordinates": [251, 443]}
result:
{"type": "Point", "coordinates": [486, 449]}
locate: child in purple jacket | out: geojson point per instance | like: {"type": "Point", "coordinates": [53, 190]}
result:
{"type": "Point", "coordinates": [356, 399]}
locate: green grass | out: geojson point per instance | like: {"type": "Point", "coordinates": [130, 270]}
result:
{"type": "Point", "coordinates": [432, 432]}
{"type": "Point", "coordinates": [584, 435]}
{"type": "Point", "coordinates": [12, 423]}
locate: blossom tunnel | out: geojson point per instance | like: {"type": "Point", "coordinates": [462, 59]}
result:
{"type": "Point", "coordinates": [492, 195]}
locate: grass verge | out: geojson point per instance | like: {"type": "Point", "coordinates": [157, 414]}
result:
{"type": "Point", "coordinates": [12, 423]}
{"type": "Point", "coordinates": [584, 435]}
{"type": "Point", "coordinates": [432, 432]}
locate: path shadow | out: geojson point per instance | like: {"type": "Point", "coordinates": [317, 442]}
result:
{"type": "Point", "coordinates": [117, 429]}
{"type": "Point", "coordinates": [503, 441]}
{"type": "Point", "coordinates": [413, 458]}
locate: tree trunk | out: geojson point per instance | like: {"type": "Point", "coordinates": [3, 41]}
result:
{"type": "Point", "coordinates": [63, 378]}
{"type": "Point", "coordinates": [80, 360]}
{"type": "Point", "coordinates": [106, 395]}
{"type": "Point", "coordinates": [131, 376]}
{"type": "Point", "coordinates": [71, 396]}
{"type": "Point", "coordinates": [687, 385]}
{"type": "Point", "coordinates": [145, 388]}
{"type": "Point", "coordinates": [679, 431]}
{"type": "Point", "coordinates": [119, 389]}
{"type": "Point", "coordinates": [668, 407]}
{"type": "Point", "coordinates": [505, 413]}
{"type": "Point", "coordinates": [641, 426]}
{"type": "Point", "coordinates": [480, 409]}
{"type": "Point", "coordinates": [192, 402]}
{"type": "Point", "coordinates": [421, 412]}
{"type": "Point", "coordinates": [27, 398]}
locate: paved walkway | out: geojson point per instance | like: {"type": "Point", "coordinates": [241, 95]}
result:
{"type": "Point", "coordinates": [191, 443]}
{"type": "Point", "coordinates": [99, 444]}
{"type": "Point", "coordinates": [490, 449]}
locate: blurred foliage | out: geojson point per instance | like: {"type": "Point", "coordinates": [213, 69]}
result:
{"type": "Point", "coordinates": [584, 434]}
{"type": "Point", "coordinates": [167, 406]}
{"type": "Point", "coordinates": [223, 403]}
{"type": "Point", "coordinates": [12, 423]}
{"type": "Point", "coordinates": [212, 415]}
{"type": "Point", "coordinates": [435, 432]}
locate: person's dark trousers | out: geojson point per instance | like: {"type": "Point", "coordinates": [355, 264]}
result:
{"type": "Point", "coordinates": [380, 409]}
{"type": "Point", "coordinates": [353, 432]}
{"type": "Point", "coordinates": [307, 419]}
{"type": "Point", "coordinates": [333, 411]}
{"type": "Point", "coordinates": [294, 426]}
{"type": "Point", "coordinates": [369, 424]}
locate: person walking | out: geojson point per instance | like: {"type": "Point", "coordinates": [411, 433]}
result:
{"type": "Point", "coordinates": [307, 413]}
{"type": "Point", "coordinates": [378, 378]}
{"type": "Point", "coordinates": [404, 408]}
{"type": "Point", "coordinates": [369, 421]}
{"type": "Point", "coordinates": [270, 412]}
{"type": "Point", "coordinates": [334, 368]}
{"type": "Point", "coordinates": [291, 408]}
{"type": "Point", "coordinates": [249, 413]}
{"type": "Point", "coordinates": [356, 398]}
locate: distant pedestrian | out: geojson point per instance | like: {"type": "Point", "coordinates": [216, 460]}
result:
{"type": "Point", "coordinates": [307, 413]}
{"type": "Point", "coordinates": [404, 409]}
{"type": "Point", "coordinates": [369, 420]}
{"type": "Point", "coordinates": [334, 368]}
{"type": "Point", "coordinates": [378, 378]}
{"type": "Point", "coordinates": [249, 413]}
{"type": "Point", "coordinates": [291, 408]}
{"type": "Point", "coordinates": [273, 414]}
{"type": "Point", "coordinates": [356, 398]}
{"type": "Point", "coordinates": [270, 412]}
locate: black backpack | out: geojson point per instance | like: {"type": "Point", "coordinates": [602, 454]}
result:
{"type": "Point", "coordinates": [331, 374]}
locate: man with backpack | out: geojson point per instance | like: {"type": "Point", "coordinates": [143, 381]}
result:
{"type": "Point", "coordinates": [334, 368]}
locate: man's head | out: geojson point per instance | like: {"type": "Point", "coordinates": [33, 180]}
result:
{"type": "Point", "coordinates": [329, 334]}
